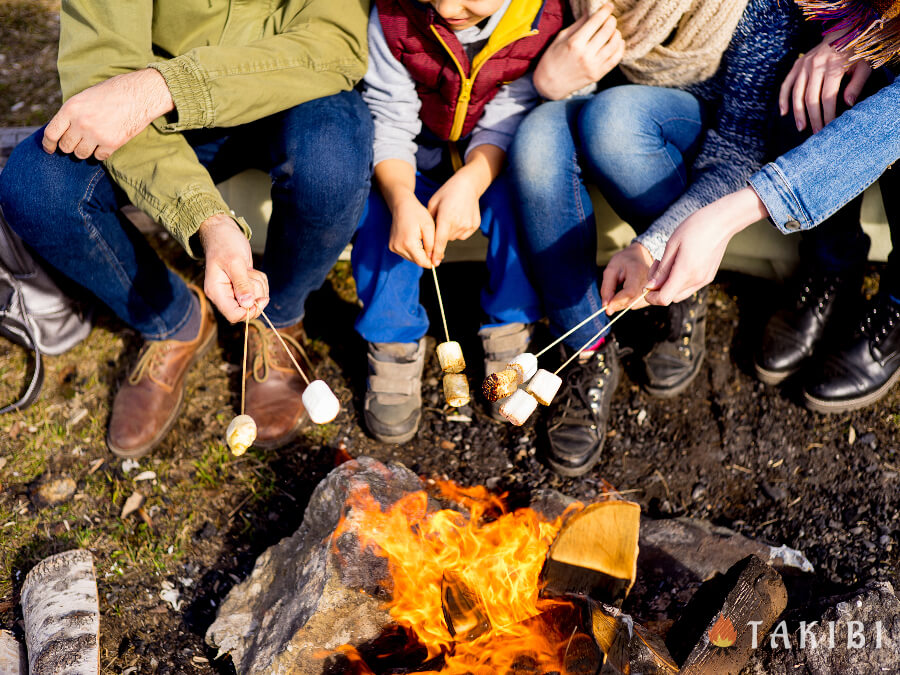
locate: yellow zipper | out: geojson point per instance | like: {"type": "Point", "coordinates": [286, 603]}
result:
{"type": "Point", "coordinates": [465, 94]}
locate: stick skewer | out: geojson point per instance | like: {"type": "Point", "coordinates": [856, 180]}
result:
{"type": "Point", "coordinates": [437, 288]}
{"type": "Point", "coordinates": [604, 330]}
{"type": "Point", "coordinates": [571, 330]}
{"type": "Point", "coordinates": [244, 365]}
{"type": "Point", "coordinates": [284, 344]}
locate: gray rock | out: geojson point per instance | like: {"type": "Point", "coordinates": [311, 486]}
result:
{"type": "Point", "coordinates": [870, 646]}
{"type": "Point", "coordinates": [304, 595]}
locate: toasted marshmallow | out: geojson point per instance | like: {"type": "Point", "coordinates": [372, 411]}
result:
{"type": "Point", "coordinates": [456, 389]}
{"type": "Point", "coordinates": [518, 407]}
{"type": "Point", "coordinates": [450, 356]}
{"type": "Point", "coordinates": [543, 386]}
{"type": "Point", "coordinates": [240, 434]}
{"type": "Point", "coordinates": [525, 365]}
{"type": "Point", "coordinates": [500, 385]}
{"type": "Point", "coordinates": [320, 402]}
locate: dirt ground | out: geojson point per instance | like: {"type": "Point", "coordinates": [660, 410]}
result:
{"type": "Point", "coordinates": [730, 449]}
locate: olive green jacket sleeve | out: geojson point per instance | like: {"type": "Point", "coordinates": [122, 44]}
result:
{"type": "Point", "coordinates": [309, 49]}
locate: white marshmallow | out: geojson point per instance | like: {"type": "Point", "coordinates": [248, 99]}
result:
{"type": "Point", "coordinates": [240, 434]}
{"type": "Point", "coordinates": [525, 365]}
{"type": "Point", "coordinates": [518, 407]}
{"type": "Point", "coordinates": [450, 356]}
{"type": "Point", "coordinates": [500, 385]}
{"type": "Point", "coordinates": [456, 389]}
{"type": "Point", "coordinates": [320, 402]}
{"type": "Point", "coordinates": [543, 386]}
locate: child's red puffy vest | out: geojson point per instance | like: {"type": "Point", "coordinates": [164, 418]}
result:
{"type": "Point", "coordinates": [453, 91]}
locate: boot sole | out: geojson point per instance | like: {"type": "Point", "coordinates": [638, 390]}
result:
{"type": "Point", "coordinates": [671, 392]}
{"type": "Point", "coordinates": [829, 407]}
{"type": "Point", "coordinates": [137, 453]}
{"type": "Point", "coordinates": [569, 471]}
{"type": "Point", "coordinates": [772, 377]}
{"type": "Point", "coordinates": [398, 438]}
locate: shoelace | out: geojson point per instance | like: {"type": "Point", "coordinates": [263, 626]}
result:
{"type": "Point", "coordinates": [148, 361]}
{"type": "Point", "coordinates": [260, 368]}
{"type": "Point", "coordinates": [576, 404]}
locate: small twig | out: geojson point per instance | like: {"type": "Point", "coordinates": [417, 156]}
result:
{"type": "Point", "coordinates": [240, 506]}
{"type": "Point", "coordinates": [604, 330]}
{"type": "Point", "coordinates": [284, 344]}
{"type": "Point", "coordinates": [665, 484]}
{"type": "Point", "coordinates": [437, 288]}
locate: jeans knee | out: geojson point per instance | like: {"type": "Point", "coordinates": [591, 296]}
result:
{"type": "Point", "coordinates": [542, 145]}
{"type": "Point", "coordinates": [613, 122]}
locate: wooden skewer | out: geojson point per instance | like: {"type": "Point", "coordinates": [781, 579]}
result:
{"type": "Point", "coordinates": [605, 328]}
{"type": "Point", "coordinates": [284, 344]}
{"type": "Point", "coordinates": [244, 365]}
{"type": "Point", "coordinates": [572, 330]}
{"type": "Point", "coordinates": [437, 288]}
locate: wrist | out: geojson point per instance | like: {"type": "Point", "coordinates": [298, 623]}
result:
{"type": "Point", "coordinates": [214, 225]}
{"type": "Point", "coordinates": [159, 98]}
{"type": "Point", "coordinates": [744, 208]}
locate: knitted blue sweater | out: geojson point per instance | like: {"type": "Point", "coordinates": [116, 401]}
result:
{"type": "Point", "coordinates": [741, 102]}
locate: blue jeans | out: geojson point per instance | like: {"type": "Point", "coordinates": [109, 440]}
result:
{"type": "Point", "coordinates": [637, 144]}
{"type": "Point", "coordinates": [317, 153]}
{"type": "Point", "coordinates": [388, 285]}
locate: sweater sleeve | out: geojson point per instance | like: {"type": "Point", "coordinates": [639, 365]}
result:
{"type": "Point", "coordinates": [503, 113]}
{"type": "Point", "coordinates": [737, 138]}
{"type": "Point", "coordinates": [390, 93]}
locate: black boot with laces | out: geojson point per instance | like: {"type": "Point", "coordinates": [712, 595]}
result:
{"type": "Point", "coordinates": [673, 364]}
{"type": "Point", "coordinates": [577, 417]}
{"type": "Point", "coordinates": [864, 369]}
{"type": "Point", "coordinates": [795, 331]}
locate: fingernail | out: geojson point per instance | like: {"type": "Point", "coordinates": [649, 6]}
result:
{"type": "Point", "coordinates": [851, 100]}
{"type": "Point", "coordinates": [246, 300]}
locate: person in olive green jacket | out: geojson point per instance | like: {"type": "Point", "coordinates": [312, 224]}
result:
{"type": "Point", "coordinates": [163, 100]}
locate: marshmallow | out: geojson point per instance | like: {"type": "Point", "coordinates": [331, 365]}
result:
{"type": "Point", "coordinates": [456, 389]}
{"type": "Point", "coordinates": [240, 434]}
{"type": "Point", "coordinates": [320, 402]}
{"type": "Point", "coordinates": [450, 357]}
{"type": "Point", "coordinates": [543, 386]}
{"type": "Point", "coordinates": [518, 407]}
{"type": "Point", "coordinates": [500, 385]}
{"type": "Point", "coordinates": [525, 365]}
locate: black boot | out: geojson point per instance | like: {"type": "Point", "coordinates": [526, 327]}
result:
{"type": "Point", "coordinates": [864, 369]}
{"type": "Point", "coordinates": [794, 332]}
{"type": "Point", "coordinates": [577, 417]}
{"type": "Point", "coordinates": [673, 364]}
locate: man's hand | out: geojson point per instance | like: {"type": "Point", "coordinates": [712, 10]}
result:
{"type": "Point", "coordinates": [103, 118]}
{"type": "Point", "coordinates": [814, 82]}
{"type": "Point", "coordinates": [231, 283]}
{"type": "Point", "coordinates": [694, 251]}
{"type": "Point", "coordinates": [456, 212]}
{"type": "Point", "coordinates": [629, 269]}
{"type": "Point", "coordinates": [581, 54]}
{"type": "Point", "coordinates": [412, 230]}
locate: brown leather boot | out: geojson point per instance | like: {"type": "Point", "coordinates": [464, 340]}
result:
{"type": "Point", "coordinates": [148, 402]}
{"type": "Point", "coordinates": [274, 386]}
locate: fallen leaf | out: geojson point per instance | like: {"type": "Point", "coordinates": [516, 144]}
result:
{"type": "Point", "coordinates": [132, 504]}
{"type": "Point", "coordinates": [145, 475]}
{"type": "Point", "coordinates": [851, 437]}
{"type": "Point", "coordinates": [96, 464]}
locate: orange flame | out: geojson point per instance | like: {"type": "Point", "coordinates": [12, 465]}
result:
{"type": "Point", "coordinates": [490, 558]}
{"type": "Point", "coordinates": [722, 634]}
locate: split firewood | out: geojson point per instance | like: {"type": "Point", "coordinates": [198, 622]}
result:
{"type": "Point", "coordinates": [62, 617]}
{"type": "Point", "coordinates": [756, 596]}
{"type": "Point", "coordinates": [12, 656]}
{"type": "Point", "coordinates": [581, 655]}
{"type": "Point", "coordinates": [463, 610]}
{"type": "Point", "coordinates": [628, 647]}
{"type": "Point", "coordinates": [595, 552]}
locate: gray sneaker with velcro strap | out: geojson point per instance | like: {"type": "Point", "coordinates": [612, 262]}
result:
{"type": "Point", "coordinates": [501, 345]}
{"type": "Point", "coordinates": [393, 403]}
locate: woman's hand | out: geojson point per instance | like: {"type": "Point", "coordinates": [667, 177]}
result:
{"type": "Point", "coordinates": [694, 251]}
{"type": "Point", "coordinates": [814, 82]}
{"type": "Point", "coordinates": [581, 54]}
{"type": "Point", "coordinates": [630, 269]}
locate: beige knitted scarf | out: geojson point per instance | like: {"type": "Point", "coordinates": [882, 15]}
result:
{"type": "Point", "coordinates": [671, 43]}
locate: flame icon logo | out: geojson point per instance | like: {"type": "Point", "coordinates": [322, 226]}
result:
{"type": "Point", "coordinates": [722, 634]}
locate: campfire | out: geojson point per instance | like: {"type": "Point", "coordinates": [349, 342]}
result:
{"type": "Point", "coordinates": [486, 590]}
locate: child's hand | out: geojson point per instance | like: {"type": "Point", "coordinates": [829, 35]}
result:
{"type": "Point", "coordinates": [630, 268]}
{"type": "Point", "coordinates": [456, 213]}
{"type": "Point", "coordinates": [412, 231]}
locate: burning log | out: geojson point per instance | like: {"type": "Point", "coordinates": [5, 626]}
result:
{"type": "Point", "coordinates": [582, 656]}
{"type": "Point", "coordinates": [628, 647]}
{"type": "Point", "coordinates": [595, 552]}
{"type": "Point", "coordinates": [463, 609]}
{"type": "Point", "coordinates": [62, 617]}
{"type": "Point", "coordinates": [754, 596]}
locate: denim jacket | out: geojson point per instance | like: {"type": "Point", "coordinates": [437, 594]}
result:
{"type": "Point", "coordinates": [226, 63]}
{"type": "Point", "coordinates": [805, 186]}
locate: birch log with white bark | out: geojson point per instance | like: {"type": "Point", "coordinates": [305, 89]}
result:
{"type": "Point", "coordinates": [62, 616]}
{"type": "Point", "coordinates": [12, 656]}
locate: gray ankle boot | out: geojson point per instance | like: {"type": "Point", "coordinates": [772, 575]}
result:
{"type": "Point", "coordinates": [393, 403]}
{"type": "Point", "coordinates": [501, 345]}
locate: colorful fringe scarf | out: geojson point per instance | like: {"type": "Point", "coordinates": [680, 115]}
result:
{"type": "Point", "coordinates": [873, 30]}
